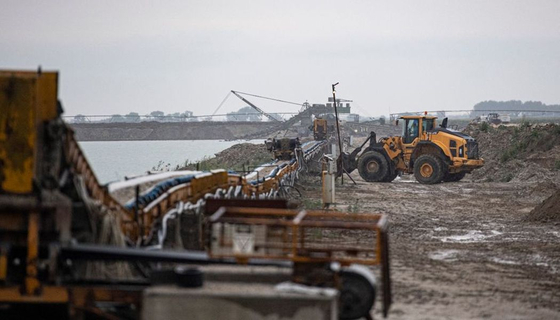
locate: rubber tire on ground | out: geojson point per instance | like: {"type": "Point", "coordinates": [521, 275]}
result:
{"type": "Point", "coordinates": [452, 177]}
{"type": "Point", "coordinates": [165, 276]}
{"type": "Point", "coordinates": [357, 296]}
{"type": "Point", "coordinates": [390, 177]}
{"type": "Point", "coordinates": [188, 277]}
{"type": "Point", "coordinates": [382, 167]}
{"type": "Point", "coordinates": [437, 165]}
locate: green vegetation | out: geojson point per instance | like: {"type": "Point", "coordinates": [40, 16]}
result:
{"type": "Point", "coordinates": [238, 157]}
{"type": "Point", "coordinates": [513, 151]}
{"type": "Point", "coordinates": [510, 153]}
{"type": "Point", "coordinates": [525, 123]}
{"type": "Point", "coordinates": [484, 127]}
{"type": "Point", "coordinates": [527, 139]}
{"type": "Point", "coordinates": [508, 177]}
{"type": "Point", "coordinates": [355, 208]}
{"type": "Point", "coordinates": [557, 165]}
{"type": "Point", "coordinates": [161, 166]}
{"type": "Point", "coordinates": [312, 204]}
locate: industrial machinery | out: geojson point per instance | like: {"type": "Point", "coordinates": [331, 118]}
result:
{"type": "Point", "coordinates": [433, 154]}
{"type": "Point", "coordinates": [312, 240]}
{"type": "Point", "coordinates": [323, 126]}
{"type": "Point", "coordinates": [493, 118]}
{"type": "Point", "coordinates": [270, 117]}
{"type": "Point", "coordinates": [56, 218]}
{"type": "Point", "coordinates": [283, 149]}
{"type": "Point", "coordinates": [320, 129]}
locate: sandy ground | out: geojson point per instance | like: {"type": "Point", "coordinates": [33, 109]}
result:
{"type": "Point", "coordinates": [462, 250]}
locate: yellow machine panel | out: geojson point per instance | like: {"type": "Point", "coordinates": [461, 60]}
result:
{"type": "Point", "coordinates": [26, 100]}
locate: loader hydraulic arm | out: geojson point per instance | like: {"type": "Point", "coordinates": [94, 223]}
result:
{"type": "Point", "coordinates": [350, 161]}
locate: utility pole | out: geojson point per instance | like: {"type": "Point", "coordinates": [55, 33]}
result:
{"type": "Point", "coordinates": [339, 167]}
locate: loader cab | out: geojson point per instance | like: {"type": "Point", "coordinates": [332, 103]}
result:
{"type": "Point", "coordinates": [410, 130]}
{"type": "Point", "coordinates": [416, 127]}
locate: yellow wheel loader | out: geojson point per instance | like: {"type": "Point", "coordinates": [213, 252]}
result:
{"type": "Point", "coordinates": [433, 154]}
{"type": "Point", "coordinates": [323, 126]}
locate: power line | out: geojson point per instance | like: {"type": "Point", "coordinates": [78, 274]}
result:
{"type": "Point", "coordinates": [267, 98]}
{"type": "Point", "coordinates": [222, 103]}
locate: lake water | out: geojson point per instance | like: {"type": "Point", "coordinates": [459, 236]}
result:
{"type": "Point", "coordinates": [113, 160]}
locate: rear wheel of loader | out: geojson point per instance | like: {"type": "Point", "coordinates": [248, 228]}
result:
{"type": "Point", "coordinates": [429, 169]}
{"type": "Point", "coordinates": [373, 167]}
{"type": "Point", "coordinates": [452, 177]}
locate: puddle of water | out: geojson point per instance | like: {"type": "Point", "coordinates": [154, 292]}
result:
{"type": "Point", "coordinates": [503, 261]}
{"type": "Point", "coordinates": [420, 191]}
{"type": "Point", "coordinates": [444, 255]}
{"type": "Point", "coordinates": [399, 179]}
{"type": "Point", "coordinates": [471, 236]}
{"type": "Point", "coordinates": [539, 260]}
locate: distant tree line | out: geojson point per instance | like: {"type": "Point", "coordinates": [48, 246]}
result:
{"type": "Point", "coordinates": [244, 114]}
{"type": "Point", "coordinates": [515, 105]}
{"type": "Point", "coordinates": [134, 117]}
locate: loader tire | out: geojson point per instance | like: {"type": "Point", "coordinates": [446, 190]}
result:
{"type": "Point", "coordinates": [452, 177]}
{"type": "Point", "coordinates": [429, 169]}
{"type": "Point", "coordinates": [373, 167]}
{"type": "Point", "coordinates": [391, 176]}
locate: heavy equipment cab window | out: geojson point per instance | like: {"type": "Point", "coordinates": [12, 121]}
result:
{"type": "Point", "coordinates": [427, 124]}
{"type": "Point", "coordinates": [411, 130]}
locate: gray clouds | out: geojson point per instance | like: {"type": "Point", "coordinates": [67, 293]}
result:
{"type": "Point", "coordinates": [117, 57]}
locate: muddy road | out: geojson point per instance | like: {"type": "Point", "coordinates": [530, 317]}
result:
{"type": "Point", "coordinates": [462, 250]}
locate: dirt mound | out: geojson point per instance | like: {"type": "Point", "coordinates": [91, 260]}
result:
{"type": "Point", "coordinates": [547, 211]}
{"type": "Point", "coordinates": [525, 153]}
{"type": "Point", "coordinates": [234, 158]}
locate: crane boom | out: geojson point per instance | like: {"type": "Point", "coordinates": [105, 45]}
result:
{"type": "Point", "coordinates": [255, 107]}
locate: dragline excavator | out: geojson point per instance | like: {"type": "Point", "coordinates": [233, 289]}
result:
{"type": "Point", "coordinates": [255, 107]}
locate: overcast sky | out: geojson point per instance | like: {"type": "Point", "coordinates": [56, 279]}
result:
{"type": "Point", "coordinates": [393, 56]}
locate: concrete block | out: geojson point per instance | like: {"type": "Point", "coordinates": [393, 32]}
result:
{"type": "Point", "coordinates": [219, 300]}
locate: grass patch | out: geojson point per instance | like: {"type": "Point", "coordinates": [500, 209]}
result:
{"type": "Point", "coordinates": [529, 140]}
{"type": "Point", "coordinates": [513, 151]}
{"type": "Point", "coordinates": [312, 204]}
{"type": "Point", "coordinates": [525, 124]}
{"type": "Point", "coordinates": [238, 157]}
{"type": "Point", "coordinates": [355, 207]}
{"type": "Point", "coordinates": [508, 177]}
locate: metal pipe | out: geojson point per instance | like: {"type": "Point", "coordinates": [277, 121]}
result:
{"type": "Point", "coordinates": [111, 253]}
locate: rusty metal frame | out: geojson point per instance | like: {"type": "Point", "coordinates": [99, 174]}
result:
{"type": "Point", "coordinates": [297, 221]}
